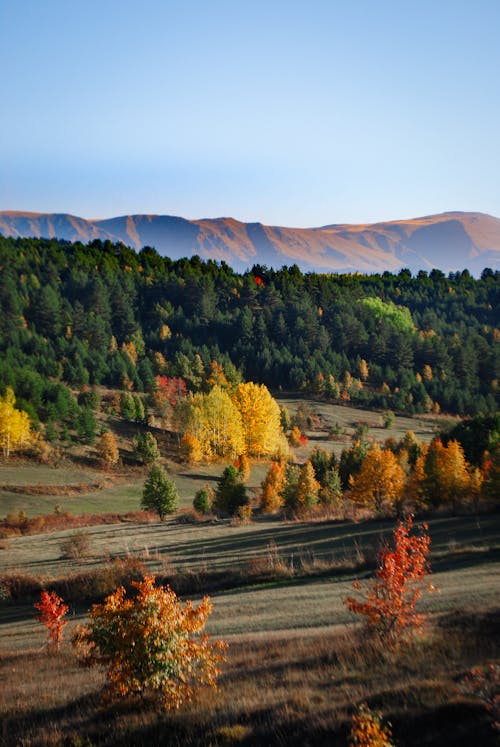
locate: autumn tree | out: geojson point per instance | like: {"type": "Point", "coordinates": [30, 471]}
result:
{"type": "Point", "coordinates": [380, 481]}
{"type": "Point", "coordinates": [160, 493]}
{"type": "Point", "coordinates": [213, 420]}
{"type": "Point", "coordinates": [367, 730]}
{"type": "Point", "coordinates": [301, 491]}
{"type": "Point", "coordinates": [242, 464]}
{"type": "Point", "coordinates": [295, 437]}
{"type": "Point", "coordinates": [271, 498]}
{"type": "Point", "coordinates": [440, 476]}
{"type": "Point", "coordinates": [52, 613]}
{"type": "Point", "coordinates": [151, 642]}
{"type": "Point", "coordinates": [191, 449]}
{"type": "Point", "coordinates": [167, 391]}
{"type": "Point", "coordinates": [261, 419]}
{"type": "Point", "coordinates": [107, 450]}
{"type": "Point", "coordinates": [363, 369]}
{"type": "Point", "coordinates": [15, 430]}
{"type": "Point", "coordinates": [389, 605]}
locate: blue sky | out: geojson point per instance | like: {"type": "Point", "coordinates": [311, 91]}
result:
{"type": "Point", "coordinates": [291, 113]}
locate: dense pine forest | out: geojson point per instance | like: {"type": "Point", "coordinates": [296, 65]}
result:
{"type": "Point", "coordinates": [103, 314]}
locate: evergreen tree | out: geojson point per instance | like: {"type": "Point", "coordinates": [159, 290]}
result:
{"type": "Point", "coordinates": [160, 492]}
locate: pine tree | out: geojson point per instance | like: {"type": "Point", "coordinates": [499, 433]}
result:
{"type": "Point", "coordinates": [160, 493]}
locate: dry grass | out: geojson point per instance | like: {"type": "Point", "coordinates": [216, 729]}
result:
{"type": "Point", "coordinates": [281, 691]}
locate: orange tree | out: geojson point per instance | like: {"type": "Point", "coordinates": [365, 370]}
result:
{"type": "Point", "coordinates": [150, 643]}
{"type": "Point", "coordinates": [390, 604]}
{"type": "Point", "coordinates": [52, 612]}
{"type": "Point", "coordinates": [367, 730]}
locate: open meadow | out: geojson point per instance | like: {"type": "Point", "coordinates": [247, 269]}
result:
{"type": "Point", "coordinates": [297, 665]}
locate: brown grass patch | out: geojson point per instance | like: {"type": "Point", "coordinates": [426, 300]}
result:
{"type": "Point", "coordinates": [272, 692]}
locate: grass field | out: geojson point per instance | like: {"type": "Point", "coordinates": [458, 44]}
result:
{"type": "Point", "coordinates": [297, 666]}
{"type": "Point", "coordinates": [121, 490]}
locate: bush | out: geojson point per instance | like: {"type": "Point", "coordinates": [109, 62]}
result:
{"type": "Point", "coordinates": [203, 500]}
{"type": "Point", "coordinates": [150, 643]}
{"type": "Point", "coordinates": [390, 605]}
{"type": "Point", "coordinates": [76, 546]}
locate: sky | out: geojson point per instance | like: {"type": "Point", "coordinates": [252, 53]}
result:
{"type": "Point", "coordinates": [280, 111]}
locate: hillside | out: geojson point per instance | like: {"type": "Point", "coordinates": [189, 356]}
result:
{"type": "Point", "coordinates": [448, 241]}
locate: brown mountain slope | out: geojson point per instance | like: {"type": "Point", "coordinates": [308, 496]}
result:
{"type": "Point", "coordinates": [448, 241]}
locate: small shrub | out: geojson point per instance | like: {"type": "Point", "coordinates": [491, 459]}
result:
{"type": "Point", "coordinates": [367, 730]}
{"type": "Point", "coordinates": [76, 546]}
{"type": "Point", "coordinates": [52, 612]}
{"type": "Point", "coordinates": [390, 604]}
{"type": "Point", "coordinates": [203, 500]}
{"type": "Point", "coordinates": [150, 643]}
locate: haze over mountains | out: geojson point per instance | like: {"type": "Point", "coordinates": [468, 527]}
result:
{"type": "Point", "coordinates": [448, 241]}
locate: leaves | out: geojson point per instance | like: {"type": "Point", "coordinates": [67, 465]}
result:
{"type": "Point", "coordinates": [379, 482]}
{"type": "Point", "coordinates": [390, 604]}
{"type": "Point", "coordinates": [151, 642]}
{"type": "Point", "coordinates": [15, 431]}
{"type": "Point", "coordinates": [52, 611]}
{"type": "Point", "coordinates": [160, 493]}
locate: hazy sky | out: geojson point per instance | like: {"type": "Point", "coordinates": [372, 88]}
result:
{"type": "Point", "coordinates": [293, 113]}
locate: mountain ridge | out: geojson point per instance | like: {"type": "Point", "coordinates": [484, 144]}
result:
{"type": "Point", "coordinates": [448, 241]}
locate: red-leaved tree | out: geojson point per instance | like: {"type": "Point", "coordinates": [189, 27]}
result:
{"type": "Point", "coordinates": [390, 604]}
{"type": "Point", "coordinates": [52, 612]}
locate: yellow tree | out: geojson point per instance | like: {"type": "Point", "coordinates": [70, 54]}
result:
{"type": "Point", "coordinates": [261, 419]}
{"type": "Point", "coordinates": [271, 499]}
{"type": "Point", "coordinates": [214, 421]}
{"type": "Point", "coordinates": [307, 488]}
{"type": "Point", "coordinates": [447, 478]}
{"type": "Point", "coordinates": [215, 376]}
{"type": "Point", "coordinates": [242, 464]}
{"type": "Point", "coordinates": [15, 430]}
{"type": "Point", "coordinates": [380, 480]}
{"type": "Point", "coordinates": [107, 449]}
{"type": "Point", "coordinates": [363, 369]}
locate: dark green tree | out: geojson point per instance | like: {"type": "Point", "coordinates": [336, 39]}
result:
{"type": "Point", "coordinates": [160, 492]}
{"type": "Point", "coordinates": [230, 493]}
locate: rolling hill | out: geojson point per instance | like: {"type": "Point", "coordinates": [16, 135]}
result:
{"type": "Point", "coordinates": [448, 241]}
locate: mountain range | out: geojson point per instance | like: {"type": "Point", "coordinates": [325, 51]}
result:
{"type": "Point", "coordinates": [447, 241]}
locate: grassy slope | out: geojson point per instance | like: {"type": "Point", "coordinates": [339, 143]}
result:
{"type": "Point", "coordinates": [121, 491]}
{"type": "Point", "coordinates": [294, 669]}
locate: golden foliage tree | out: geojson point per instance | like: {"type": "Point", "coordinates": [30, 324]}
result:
{"type": "Point", "coordinates": [441, 475]}
{"type": "Point", "coordinates": [242, 464]}
{"type": "Point", "coordinates": [191, 449]}
{"type": "Point", "coordinates": [363, 370]}
{"type": "Point", "coordinates": [307, 491]}
{"type": "Point", "coordinates": [214, 421]}
{"type": "Point", "coordinates": [271, 499]}
{"type": "Point", "coordinates": [380, 480]}
{"type": "Point", "coordinates": [15, 429]}
{"type": "Point", "coordinates": [151, 642]}
{"type": "Point", "coordinates": [261, 419]}
{"type": "Point", "coordinates": [107, 450]}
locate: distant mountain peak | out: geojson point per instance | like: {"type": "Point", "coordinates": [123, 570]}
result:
{"type": "Point", "coordinates": [449, 241]}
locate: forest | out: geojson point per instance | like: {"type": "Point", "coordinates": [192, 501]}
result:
{"type": "Point", "coordinates": [75, 315]}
